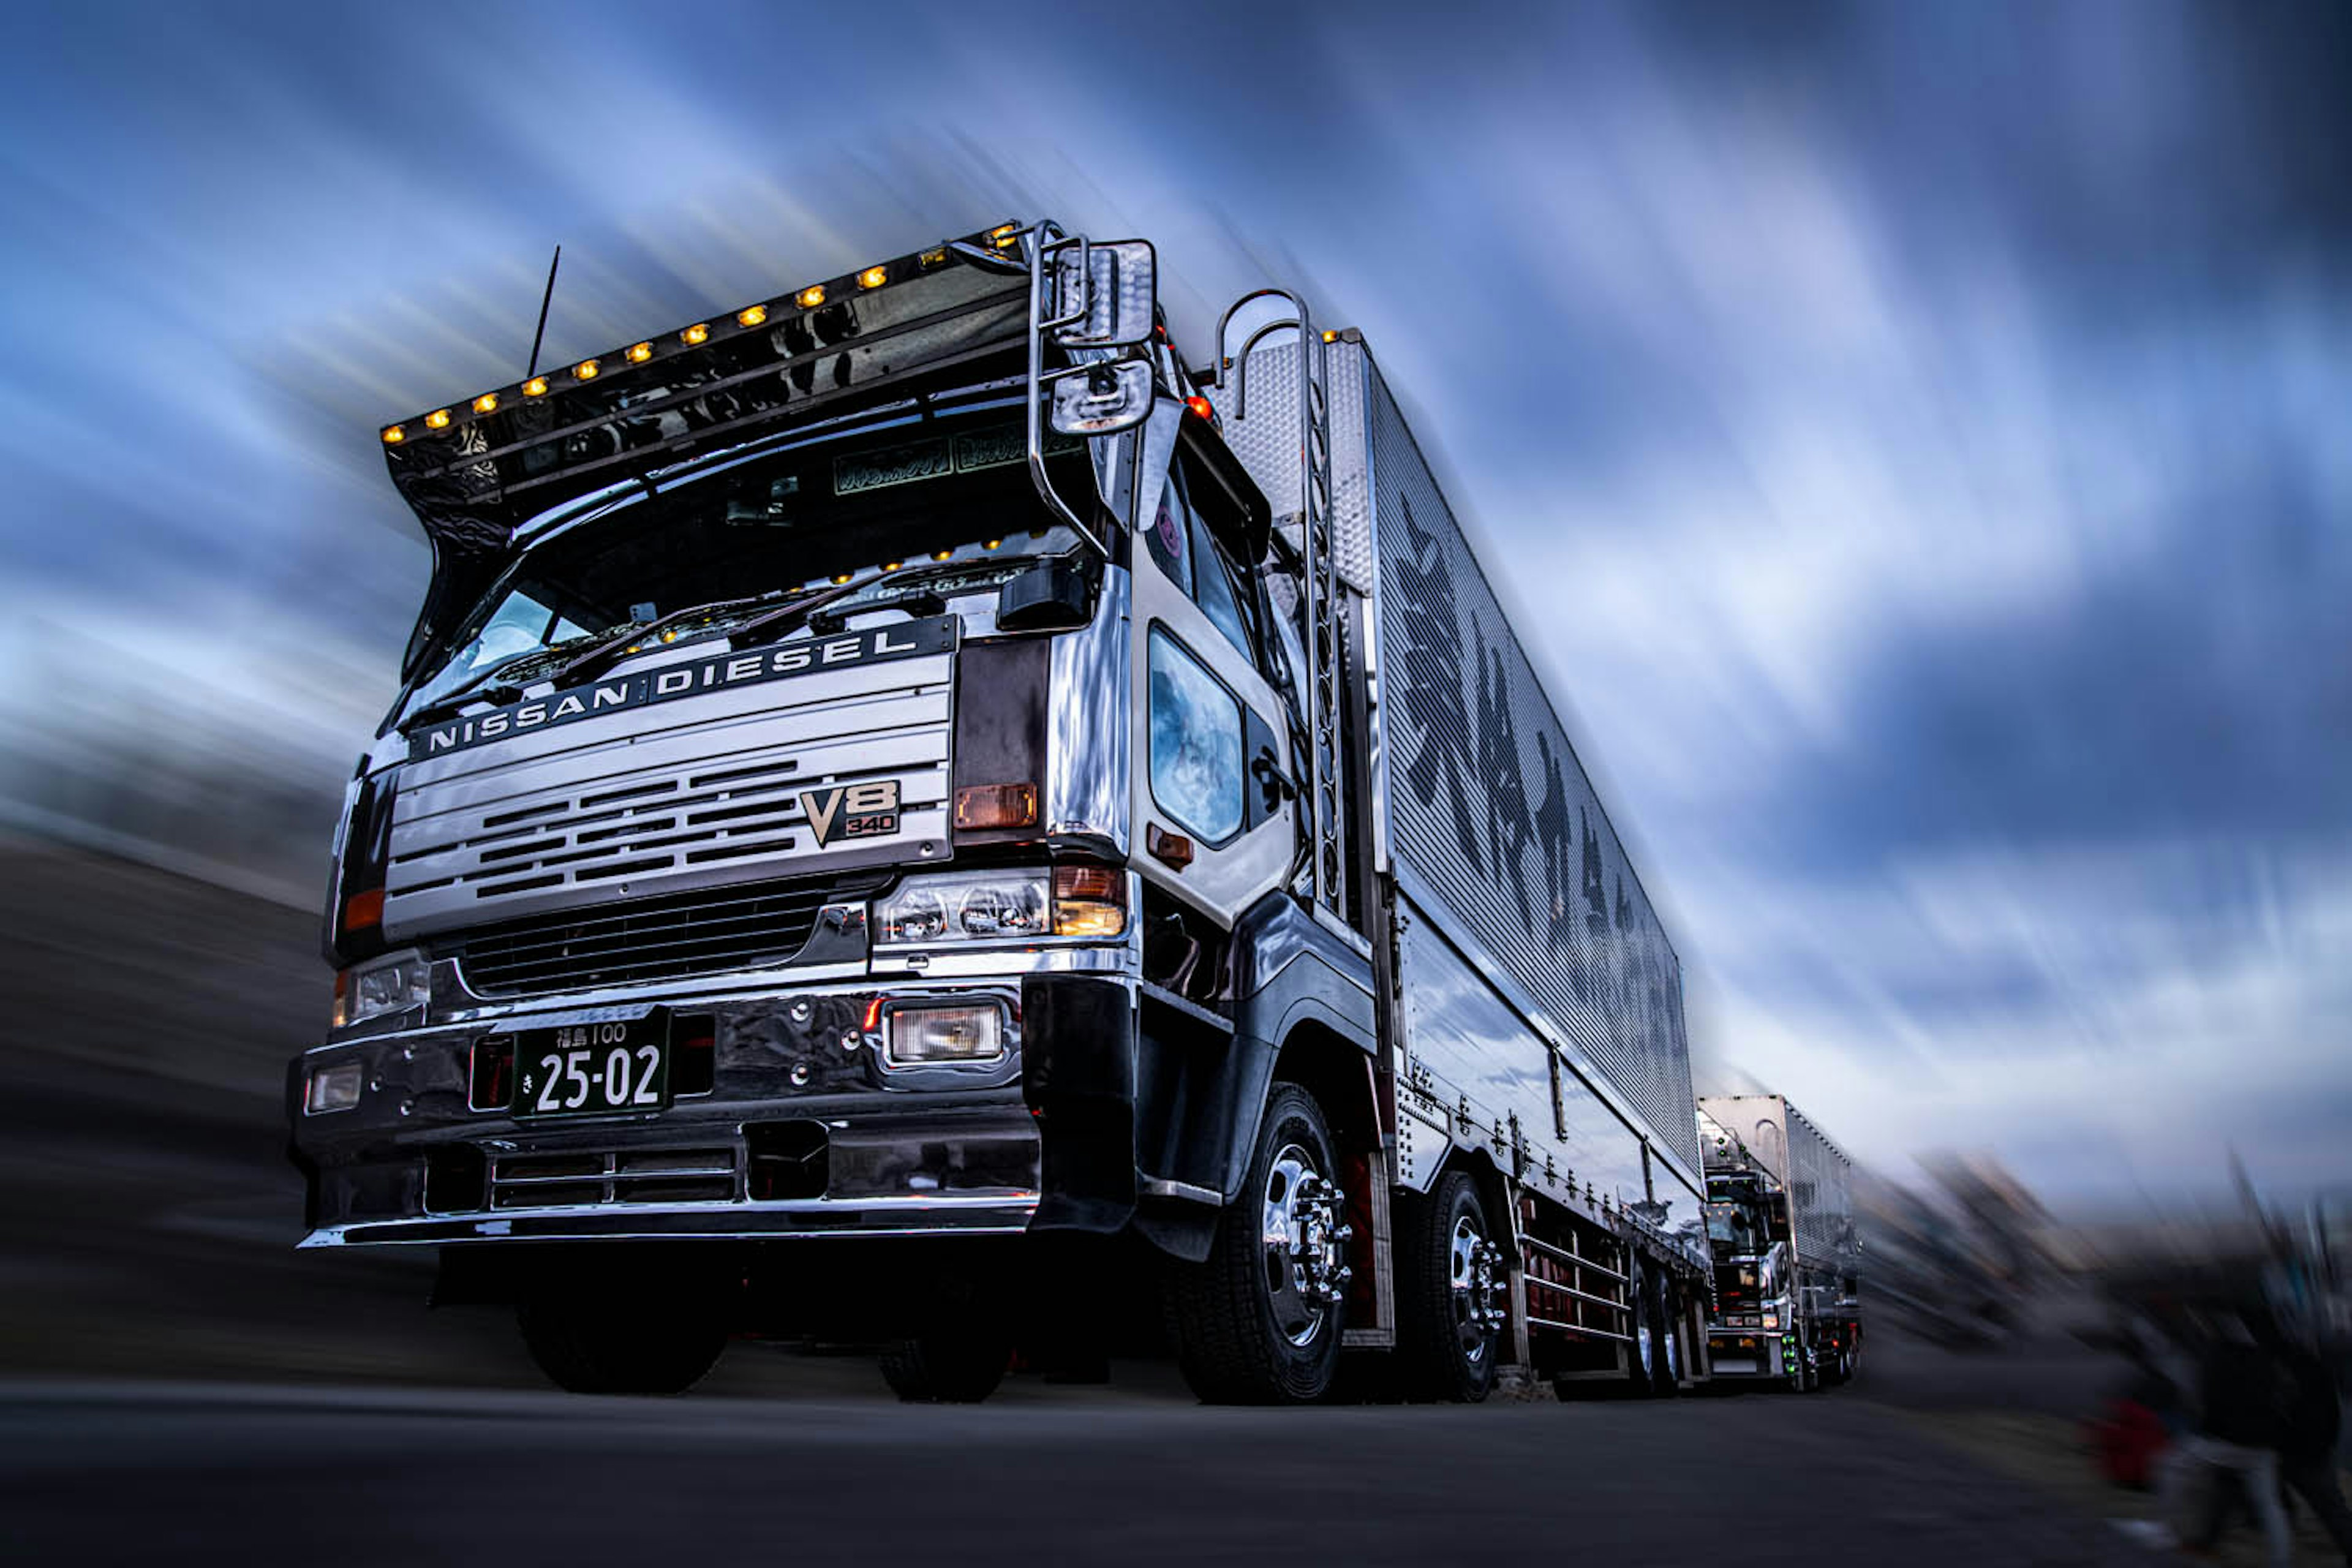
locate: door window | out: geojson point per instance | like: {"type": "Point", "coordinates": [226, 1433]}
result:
{"type": "Point", "coordinates": [1196, 744]}
{"type": "Point", "coordinates": [1212, 590]}
{"type": "Point", "coordinates": [1168, 539]}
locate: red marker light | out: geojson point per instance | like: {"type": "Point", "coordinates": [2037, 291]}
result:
{"type": "Point", "coordinates": [1201, 406]}
{"type": "Point", "coordinates": [873, 1015]}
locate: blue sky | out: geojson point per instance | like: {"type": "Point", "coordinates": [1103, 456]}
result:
{"type": "Point", "coordinates": [1921, 428]}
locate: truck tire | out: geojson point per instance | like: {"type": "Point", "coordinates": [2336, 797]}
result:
{"type": "Point", "coordinates": [1668, 1361]}
{"type": "Point", "coordinates": [1641, 1356]}
{"type": "Point", "coordinates": [595, 1345]}
{"type": "Point", "coordinates": [1450, 1286]}
{"type": "Point", "coordinates": [945, 1365]}
{"type": "Point", "coordinates": [1259, 1321]}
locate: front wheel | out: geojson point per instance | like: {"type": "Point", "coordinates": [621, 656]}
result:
{"type": "Point", "coordinates": [592, 1342]}
{"type": "Point", "coordinates": [948, 1365]}
{"type": "Point", "coordinates": [1259, 1321]}
{"type": "Point", "coordinates": [1452, 1278]}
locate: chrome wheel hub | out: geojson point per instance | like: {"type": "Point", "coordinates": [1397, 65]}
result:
{"type": "Point", "coordinates": [1305, 1245]}
{"type": "Point", "coordinates": [1477, 1280]}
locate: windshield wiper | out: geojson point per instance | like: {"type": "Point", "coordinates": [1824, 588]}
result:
{"type": "Point", "coordinates": [610, 651]}
{"type": "Point", "coordinates": [481, 689]}
{"type": "Point", "coordinates": [792, 610]}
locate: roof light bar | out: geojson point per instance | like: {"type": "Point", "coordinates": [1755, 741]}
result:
{"type": "Point", "coordinates": [645, 350]}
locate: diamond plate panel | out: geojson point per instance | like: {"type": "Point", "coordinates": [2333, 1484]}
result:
{"type": "Point", "coordinates": [1490, 806]}
{"type": "Point", "coordinates": [1267, 443]}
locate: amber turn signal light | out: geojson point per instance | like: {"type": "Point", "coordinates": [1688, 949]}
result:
{"type": "Point", "coordinates": [997, 805]}
{"type": "Point", "coordinates": [1089, 900]}
{"type": "Point", "coordinates": [364, 911]}
{"type": "Point", "coordinates": [1167, 848]}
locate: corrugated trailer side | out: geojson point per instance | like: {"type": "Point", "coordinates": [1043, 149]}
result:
{"type": "Point", "coordinates": [1493, 831]}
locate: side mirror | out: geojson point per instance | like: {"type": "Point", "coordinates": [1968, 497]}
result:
{"type": "Point", "coordinates": [1103, 399]}
{"type": "Point", "coordinates": [1106, 292]}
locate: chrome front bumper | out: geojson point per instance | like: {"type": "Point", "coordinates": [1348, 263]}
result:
{"type": "Point", "coordinates": [878, 1151]}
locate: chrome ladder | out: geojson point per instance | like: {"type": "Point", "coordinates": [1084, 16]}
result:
{"type": "Point", "coordinates": [1320, 588]}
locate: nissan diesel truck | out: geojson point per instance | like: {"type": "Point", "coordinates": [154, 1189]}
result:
{"type": "Point", "coordinates": [1780, 1231]}
{"type": "Point", "coordinates": [915, 816]}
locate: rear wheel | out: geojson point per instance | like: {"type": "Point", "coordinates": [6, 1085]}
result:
{"type": "Point", "coordinates": [1450, 1287]}
{"type": "Point", "coordinates": [1641, 1356]}
{"type": "Point", "coordinates": [1259, 1321]}
{"type": "Point", "coordinates": [1669, 1357]}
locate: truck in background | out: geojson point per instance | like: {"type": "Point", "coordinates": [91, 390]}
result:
{"type": "Point", "coordinates": [1780, 1233]}
{"type": "Point", "coordinates": [914, 817]}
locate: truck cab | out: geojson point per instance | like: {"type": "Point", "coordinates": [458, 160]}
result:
{"type": "Point", "coordinates": [1753, 1327]}
{"type": "Point", "coordinates": [1780, 1237]}
{"type": "Point", "coordinates": [846, 753]}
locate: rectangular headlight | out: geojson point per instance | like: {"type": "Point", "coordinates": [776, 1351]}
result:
{"type": "Point", "coordinates": [1004, 906]}
{"type": "Point", "coordinates": [382, 985]}
{"type": "Point", "coordinates": [965, 906]}
{"type": "Point", "coordinates": [1771, 1319]}
{"type": "Point", "coordinates": [335, 1088]}
{"type": "Point", "coordinates": [927, 1036]}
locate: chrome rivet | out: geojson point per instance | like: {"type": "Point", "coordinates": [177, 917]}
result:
{"type": "Point", "coordinates": [375, 1085]}
{"type": "Point", "coordinates": [928, 850]}
{"type": "Point", "coordinates": [408, 1108]}
{"type": "Point", "coordinates": [851, 1039]}
{"type": "Point", "coordinates": [800, 1012]}
{"type": "Point", "coordinates": [408, 1053]}
{"type": "Point", "coordinates": [800, 1074]}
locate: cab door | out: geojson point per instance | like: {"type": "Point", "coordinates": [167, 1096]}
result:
{"type": "Point", "coordinates": [1215, 794]}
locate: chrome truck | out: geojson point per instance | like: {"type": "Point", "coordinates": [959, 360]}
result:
{"type": "Point", "coordinates": [916, 818]}
{"type": "Point", "coordinates": [1781, 1230]}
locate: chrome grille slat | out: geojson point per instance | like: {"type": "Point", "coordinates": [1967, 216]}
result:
{"type": "Point", "coordinates": [685, 797]}
{"type": "Point", "coordinates": [682, 934]}
{"type": "Point", "coordinates": [612, 1176]}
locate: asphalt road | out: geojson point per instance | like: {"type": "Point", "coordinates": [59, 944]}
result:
{"type": "Point", "coordinates": [123, 1473]}
{"type": "Point", "coordinates": [177, 1383]}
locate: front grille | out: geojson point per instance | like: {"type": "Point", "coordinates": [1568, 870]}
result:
{"type": "Point", "coordinates": [636, 1176]}
{"type": "Point", "coordinates": [680, 935]}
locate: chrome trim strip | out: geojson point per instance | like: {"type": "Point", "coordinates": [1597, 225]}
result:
{"type": "Point", "coordinates": [445, 1229]}
{"type": "Point", "coordinates": [1088, 748]}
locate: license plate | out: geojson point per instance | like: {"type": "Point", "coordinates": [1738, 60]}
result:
{"type": "Point", "coordinates": [593, 1069]}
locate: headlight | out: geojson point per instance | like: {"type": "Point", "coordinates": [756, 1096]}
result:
{"type": "Point", "coordinates": [382, 985]}
{"type": "Point", "coordinates": [1002, 906]}
{"type": "Point", "coordinates": [1771, 1319]}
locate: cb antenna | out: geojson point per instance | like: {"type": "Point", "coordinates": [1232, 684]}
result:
{"type": "Point", "coordinates": [536, 337]}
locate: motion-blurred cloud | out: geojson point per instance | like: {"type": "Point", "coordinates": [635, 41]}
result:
{"type": "Point", "coordinates": [1920, 426]}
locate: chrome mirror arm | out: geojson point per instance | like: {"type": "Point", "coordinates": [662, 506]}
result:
{"type": "Point", "coordinates": [1040, 246]}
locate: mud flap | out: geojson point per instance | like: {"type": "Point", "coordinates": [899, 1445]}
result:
{"type": "Point", "coordinates": [1077, 1075]}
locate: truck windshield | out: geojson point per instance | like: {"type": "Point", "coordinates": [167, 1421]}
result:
{"type": "Point", "coordinates": [922, 519]}
{"type": "Point", "coordinates": [1731, 1227]}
